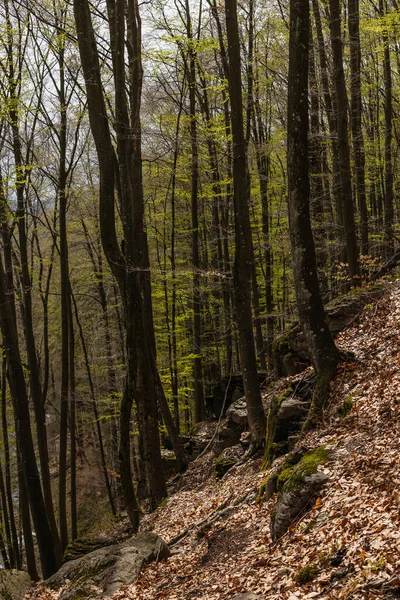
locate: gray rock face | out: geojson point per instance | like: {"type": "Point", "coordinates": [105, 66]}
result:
{"type": "Point", "coordinates": [13, 584]}
{"type": "Point", "coordinates": [228, 435]}
{"type": "Point", "coordinates": [104, 571]}
{"type": "Point", "coordinates": [237, 412]}
{"type": "Point", "coordinates": [292, 409]}
{"type": "Point", "coordinates": [292, 502]}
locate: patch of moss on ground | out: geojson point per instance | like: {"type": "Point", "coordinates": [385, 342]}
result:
{"type": "Point", "coordinates": [306, 574]}
{"type": "Point", "coordinates": [346, 406]}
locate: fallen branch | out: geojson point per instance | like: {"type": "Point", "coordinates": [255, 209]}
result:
{"type": "Point", "coordinates": [203, 525]}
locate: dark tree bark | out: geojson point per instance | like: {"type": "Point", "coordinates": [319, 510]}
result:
{"type": "Point", "coordinates": [191, 78]}
{"type": "Point", "coordinates": [343, 142]}
{"type": "Point", "coordinates": [44, 534]}
{"type": "Point", "coordinates": [387, 78]}
{"type": "Point", "coordinates": [325, 355]}
{"type": "Point", "coordinates": [243, 241]}
{"type": "Point", "coordinates": [15, 75]}
{"type": "Point", "coordinates": [356, 116]}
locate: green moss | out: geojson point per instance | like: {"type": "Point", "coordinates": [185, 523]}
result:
{"type": "Point", "coordinates": [306, 574]}
{"type": "Point", "coordinates": [284, 476]}
{"type": "Point", "coordinates": [223, 464]}
{"type": "Point", "coordinates": [292, 477]}
{"type": "Point", "coordinates": [346, 407]}
{"type": "Point", "coordinates": [272, 449]}
{"type": "Point", "coordinates": [267, 488]}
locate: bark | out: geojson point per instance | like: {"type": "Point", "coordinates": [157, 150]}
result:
{"type": "Point", "coordinates": [356, 117]}
{"type": "Point", "coordinates": [388, 109]}
{"type": "Point", "coordinates": [343, 143]}
{"type": "Point", "coordinates": [243, 241]}
{"type": "Point", "coordinates": [309, 303]}
{"type": "Point", "coordinates": [16, 379]}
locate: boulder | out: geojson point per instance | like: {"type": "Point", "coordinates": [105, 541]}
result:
{"type": "Point", "coordinates": [237, 412]}
{"type": "Point", "coordinates": [292, 409]}
{"type": "Point", "coordinates": [228, 435]}
{"type": "Point", "coordinates": [246, 596]}
{"type": "Point", "coordinates": [285, 418]}
{"type": "Point", "coordinates": [291, 353]}
{"type": "Point", "coordinates": [13, 584]}
{"type": "Point", "coordinates": [298, 484]}
{"type": "Point", "coordinates": [103, 572]}
{"type": "Point", "coordinates": [227, 459]}
{"type": "Point", "coordinates": [292, 503]}
{"type": "Point", "coordinates": [228, 389]}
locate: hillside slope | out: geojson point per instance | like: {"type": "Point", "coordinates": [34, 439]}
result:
{"type": "Point", "coordinates": [346, 545]}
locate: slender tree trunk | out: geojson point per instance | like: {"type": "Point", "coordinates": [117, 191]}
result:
{"type": "Point", "coordinates": [243, 245]}
{"type": "Point", "coordinates": [325, 356]}
{"type": "Point", "coordinates": [343, 142]}
{"type": "Point", "coordinates": [356, 117]}
{"type": "Point", "coordinates": [44, 534]}
{"type": "Point", "coordinates": [387, 77]}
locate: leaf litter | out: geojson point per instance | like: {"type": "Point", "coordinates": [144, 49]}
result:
{"type": "Point", "coordinates": [349, 538]}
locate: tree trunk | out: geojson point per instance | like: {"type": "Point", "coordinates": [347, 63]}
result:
{"type": "Point", "coordinates": [325, 356]}
{"type": "Point", "coordinates": [343, 143]}
{"type": "Point", "coordinates": [356, 117]}
{"type": "Point", "coordinates": [243, 242]}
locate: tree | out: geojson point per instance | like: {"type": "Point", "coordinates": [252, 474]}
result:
{"type": "Point", "coordinates": [325, 355]}
{"type": "Point", "coordinates": [243, 243]}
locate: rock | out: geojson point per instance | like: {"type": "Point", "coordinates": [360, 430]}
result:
{"type": "Point", "coordinates": [291, 353]}
{"type": "Point", "coordinates": [228, 435]}
{"type": "Point", "coordinates": [229, 389]}
{"type": "Point", "coordinates": [292, 409]}
{"type": "Point", "coordinates": [13, 584]}
{"type": "Point", "coordinates": [104, 571]}
{"type": "Point", "coordinates": [227, 459]}
{"type": "Point", "coordinates": [298, 483]}
{"type": "Point", "coordinates": [246, 596]}
{"type": "Point", "coordinates": [169, 462]}
{"type": "Point", "coordinates": [237, 412]}
{"type": "Point", "coordinates": [292, 503]}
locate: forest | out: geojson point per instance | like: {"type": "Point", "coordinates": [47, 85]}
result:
{"type": "Point", "coordinates": [181, 184]}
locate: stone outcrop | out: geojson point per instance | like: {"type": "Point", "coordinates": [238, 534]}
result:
{"type": "Point", "coordinates": [237, 412]}
{"type": "Point", "coordinates": [286, 415]}
{"type": "Point", "coordinates": [105, 570]}
{"type": "Point", "coordinates": [227, 459]}
{"type": "Point", "coordinates": [13, 584]}
{"type": "Point", "coordinates": [291, 353]}
{"type": "Point", "coordinates": [298, 485]}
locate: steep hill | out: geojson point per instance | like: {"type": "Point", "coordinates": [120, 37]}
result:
{"type": "Point", "coordinates": [346, 545]}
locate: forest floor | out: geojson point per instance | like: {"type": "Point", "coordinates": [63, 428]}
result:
{"type": "Point", "coordinates": [354, 523]}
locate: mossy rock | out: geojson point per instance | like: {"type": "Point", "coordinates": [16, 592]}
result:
{"type": "Point", "coordinates": [285, 418]}
{"type": "Point", "coordinates": [297, 485]}
{"type": "Point", "coordinates": [292, 477]}
{"type": "Point", "coordinates": [13, 584]}
{"type": "Point", "coordinates": [272, 424]}
{"type": "Point", "coordinates": [107, 569]}
{"type": "Point", "coordinates": [81, 546]}
{"type": "Point", "coordinates": [267, 488]}
{"type": "Point", "coordinates": [227, 459]}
